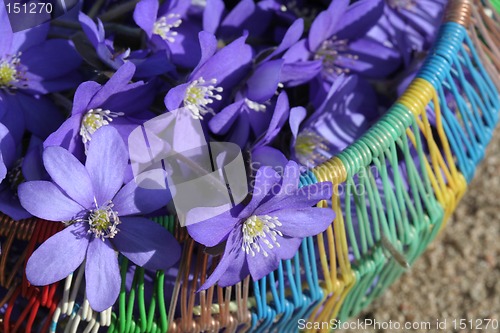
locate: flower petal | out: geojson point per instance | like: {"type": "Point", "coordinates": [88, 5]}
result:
{"type": "Point", "coordinates": [288, 247]}
{"type": "Point", "coordinates": [229, 65]}
{"type": "Point", "coordinates": [261, 265]}
{"type": "Point", "coordinates": [71, 176]}
{"type": "Point", "coordinates": [294, 74]}
{"type": "Point", "coordinates": [360, 17]}
{"type": "Point", "coordinates": [42, 117]}
{"type": "Point", "coordinates": [68, 137]}
{"type": "Point", "coordinates": [51, 59]}
{"type": "Point", "coordinates": [9, 205]}
{"type": "Point", "coordinates": [297, 115]}
{"type": "Point", "coordinates": [212, 15]}
{"type": "Point", "coordinates": [222, 122]}
{"type": "Point", "coordinates": [265, 155]}
{"type": "Point", "coordinates": [106, 162]}
{"type": "Point", "coordinates": [175, 96]}
{"type": "Point", "coordinates": [290, 178]}
{"type": "Point", "coordinates": [45, 200]}
{"type": "Point", "coordinates": [134, 199]}
{"type": "Point", "coordinates": [90, 29]}
{"type": "Point", "coordinates": [305, 197]}
{"type": "Point", "coordinates": [291, 37]}
{"type": "Point", "coordinates": [265, 179]}
{"type": "Point", "coordinates": [146, 243]}
{"type": "Point", "coordinates": [325, 23]}
{"type": "Point", "coordinates": [7, 146]}
{"type": "Point", "coordinates": [208, 47]}
{"type": "Point", "coordinates": [58, 256]}
{"type": "Point", "coordinates": [264, 81]}
{"type": "Point", "coordinates": [214, 230]}
{"type": "Point", "coordinates": [304, 222]}
{"type": "Point", "coordinates": [102, 275]}
{"type": "Point", "coordinates": [232, 268]}
{"type": "Point", "coordinates": [116, 83]}
{"type": "Point", "coordinates": [145, 14]}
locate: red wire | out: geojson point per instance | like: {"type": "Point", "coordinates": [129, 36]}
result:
{"type": "Point", "coordinates": [46, 326]}
{"type": "Point", "coordinates": [31, 319]}
{"type": "Point", "coordinates": [44, 295]}
{"type": "Point", "coordinates": [24, 314]}
{"type": "Point", "coordinates": [8, 312]}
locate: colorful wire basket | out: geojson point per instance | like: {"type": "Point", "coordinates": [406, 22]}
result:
{"type": "Point", "coordinates": [414, 165]}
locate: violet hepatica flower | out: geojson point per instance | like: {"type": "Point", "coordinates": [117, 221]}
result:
{"type": "Point", "coordinates": [347, 112]}
{"type": "Point", "coordinates": [269, 229]}
{"type": "Point", "coordinates": [6, 144]}
{"type": "Point", "coordinates": [167, 27]}
{"type": "Point", "coordinates": [19, 169]}
{"type": "Point", "coordinates": [118, 103]}
{"type": "Point", "coordinates": [337, 39]}
{"type": "Point", "coordinates": [30, 67]}
{"type": "Point", "coordinates": [246, 15]}
{"type": "Point", "coordinates": [409, 25]}
{"type": "Point", "coordinates": [248, 117]}
{"type": "Point", "coordinates": [212, 79]}
{"type": "Point", "coordinates": [148, 63]}
{"type": "Point", "coordinates": [101, 220]}
{"type": "Point", "coordinates": [261, 152]}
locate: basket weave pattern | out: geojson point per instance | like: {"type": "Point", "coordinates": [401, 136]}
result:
{"type": "Point", "coordinates": [413, 165]}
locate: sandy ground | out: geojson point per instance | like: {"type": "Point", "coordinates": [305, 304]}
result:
{"type": "Point", "coordinates": [458, 277]}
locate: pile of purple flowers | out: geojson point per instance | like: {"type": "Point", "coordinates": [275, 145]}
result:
{"type": "Point", "coordinates": [291, 83]}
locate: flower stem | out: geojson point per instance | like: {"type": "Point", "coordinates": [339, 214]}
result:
{"type": "Point", "coordinates": [95, 8]}
{"type": "Point", "coordinates": [118, 10]}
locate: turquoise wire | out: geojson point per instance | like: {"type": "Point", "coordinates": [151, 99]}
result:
{"type": "Point", "coordinates": [454, 133]}
{"type": "Point", "coordinates": [300, 304]}
{"type": "Point", "coordinates": [470, 139]}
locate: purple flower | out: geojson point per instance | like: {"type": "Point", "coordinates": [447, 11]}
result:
{"type": "Point", "coordinates": [99, 213]}
{"type": "Point", "coordinates": [148, 63]}
{"type": "Point", "coordinates": [6, 145]}
{"type": "Point", "coordinates": [118, 103]}
{"type": "Point", "coordinates": [248, 117]}
{"type": "Point", "coordinates": [167, 27]}
{"type": "Point", "coordinates": [337, 41]}
{"type": "Point", "coordinates": [269, 229]}
{"type": "Point", "coordinates": [409, 25]}
{"type": "Point", "coordinates": [245, 16]}
{"type": "Point", "coordinates": [346, 113]}
{"type": "Point", "coordinates": [262, 154]}
{"type": "Point", "coordinates": [31, 66]}
{"type": "Point", "coordinates": [209, 82]}
{"type": "Point", "coordinates": [19, 169]}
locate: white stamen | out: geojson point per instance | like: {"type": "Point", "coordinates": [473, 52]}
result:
{"type": "Point", "coordinates": [309, 147]}
{"type": "Point", "coordinates": [329, 51]}
{"type": "Point", "coordinates": [12, 73]}
{"type": "Point", "coordinates": [103, 221]}
{"type": "Point", "coordinates": [164, 25]}
{"type": "Point", "coordinates": [199, 94]}
{"type": "Point", "coordinates": [95, 119]}
{"type": "Point", "coordinates": [255, 106]}
{"type": "Point", "coordinates": [258, 230]}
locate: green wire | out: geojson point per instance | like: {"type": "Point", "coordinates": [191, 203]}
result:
{"type": "Point", "coordinates": [496, 5]}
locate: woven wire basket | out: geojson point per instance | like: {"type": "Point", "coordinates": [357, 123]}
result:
{"type": "Point", "coordinates": [414, 165]}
